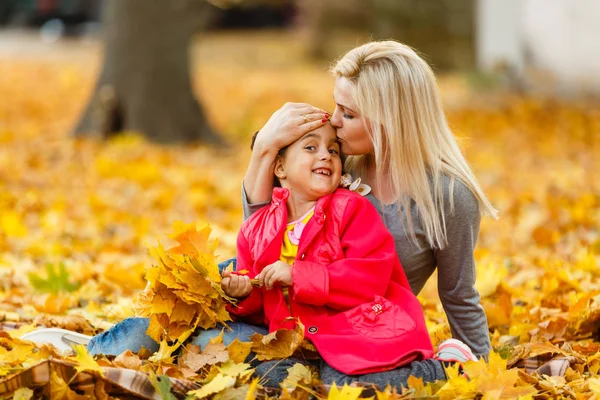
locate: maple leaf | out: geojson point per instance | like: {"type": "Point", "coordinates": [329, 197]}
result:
{"type": "Point", "coordinates": [231, 368]}
{"type": "Point", "coordinates": [216, 385]}
{"type": "Point", "coordinates": [157, 326]}
{"type": "Point", "coordinates": [420, 389]}
{"type": "Point", "coordinates": [165, 352]}
{"type": "Point", "coordinates": [60, 390]}
{"type": "Point", "coordinates": [57, 280]}
{"type": "Point", "coordinates": [279, 344]}
{"type": "Point", "coordinates": [528, 350]}
{"type": "Point", "coordinates": [254, 385]}
{"type": "Point", "coordinates": [23, 394]}
{"type": "Point", "coordinates": [17, 333]}
{"type": "Point", "coordinates": [162, 384]}
{"type": "Point", "coordinates": [86, 361]}
{"type": "Point", "coordinates": [128, 360]}
{"type": "Point", "coordinates": [239, 351]}
{"type": "Point", "coordinates": [345, 393]}
{"type": "Point", "coordinates": [297, 374]}
{"type": "Point", "coordinates": [20, 351]}
{"type": "Point", "coordinates": [233, 393]}
{"type": "Point", "coordinates": [457, 385]}
{"type": "Point", "coordinates": [192, 242]}
{"type": "Point", "coordinates": [213, 353]}
{"type": "Point", "coordinates": [594, 385]}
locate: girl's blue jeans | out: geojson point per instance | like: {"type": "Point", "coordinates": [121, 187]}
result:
{"type": "Point", "coordinates": [130, 334]}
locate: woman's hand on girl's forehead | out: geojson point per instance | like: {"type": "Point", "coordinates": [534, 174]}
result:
{"type": "Point", "coordinates": [288, 124]}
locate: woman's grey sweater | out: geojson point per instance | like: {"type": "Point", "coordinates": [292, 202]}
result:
{"type": "Point", "coordinates": [455, 263]}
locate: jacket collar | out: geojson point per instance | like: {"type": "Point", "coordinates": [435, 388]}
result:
{"type": "Point", "coordinates": [281, 195]}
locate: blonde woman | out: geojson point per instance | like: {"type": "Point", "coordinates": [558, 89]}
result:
{"type": "Point", "coordinates": [390, 122]}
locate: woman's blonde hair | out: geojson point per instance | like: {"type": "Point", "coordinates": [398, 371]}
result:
{"type": "Point", "coordinates": [396, 91]}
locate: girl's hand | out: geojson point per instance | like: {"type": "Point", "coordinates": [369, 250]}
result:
{"type": "Point", "coordinates": [277, 272]}
{"type": "Point", "coordinates": [288, 124]}
{"type": "Point", "coordinates": [237, 286]}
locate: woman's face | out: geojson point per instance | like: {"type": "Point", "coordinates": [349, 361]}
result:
{"type": "Point", "coordinates": [348, 123]}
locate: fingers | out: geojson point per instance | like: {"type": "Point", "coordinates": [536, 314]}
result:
{"type": "Point", "coordinates": [225, 284]}
{"type": "Point", "coordinates": [302, 113]}
{"type": "Point", "coordinates": [247, 287]}
{"type": "Point", "coordinates": [313, 117]}
{"type": "Point", "coordinates": [274, 273]}
{"type": "Point", "coordinates": [236, 285]}
{"type": "Point", "coordinates": [261, 276]}
{"type": "Point", "coordinates": [265, 275]}
{"type": "Point", "coordinates": [270, 278]}
{"type": "Point", "coordinates": [303, 108]}
{"type": "Point", "coordinates": [273, 279]}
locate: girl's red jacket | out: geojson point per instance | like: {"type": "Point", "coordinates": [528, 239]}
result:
{"type": "Point", "coordinates": [349, 289]}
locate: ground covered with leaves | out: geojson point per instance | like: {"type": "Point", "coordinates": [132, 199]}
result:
{"type": "Point", "coordinates": [78, 218]}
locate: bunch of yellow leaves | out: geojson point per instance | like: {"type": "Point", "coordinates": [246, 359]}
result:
{"type": "Point", "coordinates": [184, 289]}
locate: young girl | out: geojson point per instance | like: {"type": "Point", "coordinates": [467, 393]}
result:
{"type": "Point", "coordinates": [323, 255]}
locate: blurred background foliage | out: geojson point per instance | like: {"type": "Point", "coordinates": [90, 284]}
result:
{"type": "Point", "coordinates": [90, 208]}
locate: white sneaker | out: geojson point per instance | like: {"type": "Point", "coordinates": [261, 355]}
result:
{"type": "Point", "coordinates": [62, 339]}
{"type": "Point", "coordinates": [454, 350]}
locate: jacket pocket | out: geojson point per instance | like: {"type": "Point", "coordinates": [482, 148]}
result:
{"type": "Point", "coordinates": [380, 319]}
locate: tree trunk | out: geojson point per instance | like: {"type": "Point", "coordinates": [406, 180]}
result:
{"type": "Point", "coordinates": [145, 83]}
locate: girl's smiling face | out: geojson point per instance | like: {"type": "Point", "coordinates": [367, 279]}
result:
{"type": "Point", "coordinates": [348, 123]}
{"type": "Point", "coordinates": [311, 167]}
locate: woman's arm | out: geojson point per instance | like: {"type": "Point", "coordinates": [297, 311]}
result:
{"type": "Point", "coordinates": [456, 272]}
{"type": "Point", "coordinates": [258, 182]}
{"type": "Point", "coordinates": [286, 125]}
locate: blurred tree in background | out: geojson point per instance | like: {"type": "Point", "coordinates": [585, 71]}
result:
{"type": "Point", "coordinates": [442, 30]}
{"type": "Point", "coordinates": [145, 83]}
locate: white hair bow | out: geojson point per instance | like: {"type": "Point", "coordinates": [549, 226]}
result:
{"type": "Point", "coordinates": [361, 188]}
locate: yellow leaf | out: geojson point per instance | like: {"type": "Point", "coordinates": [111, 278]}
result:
{"type": "Point", "coordinates": [165, 353]}
{"type": "Point", "coordinates": [217, 339]}
{"type": "Point", "coordinates": [128, 360]}
{"type": "Point", "coordinates": [279, 344]}
{"type": "Point", "coordinates": [192, 241]}
{"type": "Point", "coordinates": [219, 383]}
{"type": "Point", "coordinates": [157, 327]}
{"type": "Point", "coordinates": [54, 303]}
{"type": "Point", "coordinates": [421, 390]}
{"type": "Point", "coordinates": [594, 385]}
{"type": "Point", "coordinates": [19, 353]}
{"type": "Point", "coordinates": [60, 390]}
{"type": "Point", "coordinates": [231, 368]}
{"type": "Point", "coordinates": [457, 385]}
{"type": "Point", "coordinates": [11, 224]}
{"type": "Point", "coordinates": [213, 353]}
{"type": "Point", "coordinates": [346, 393]}
{"type": "Point", "coordinates": [252, 389]}
{"type": "Point", "coordinates": [23, 394]}
{"type": "Point", "coordinates": [297, 374]}
{"type": "Point", "coordinates": [163, 302]}
{"type": "Point", "coordinates": [86, 361]}
{"type": "Point", "coordinates": [183, 312]}
{"type": "Point", "coordinates": [239, 351]}
{"type": "Point", "coordinates": [17, 333]}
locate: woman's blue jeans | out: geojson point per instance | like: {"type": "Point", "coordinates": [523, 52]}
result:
{"type": "Point", "coordinates": [130, 334]}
